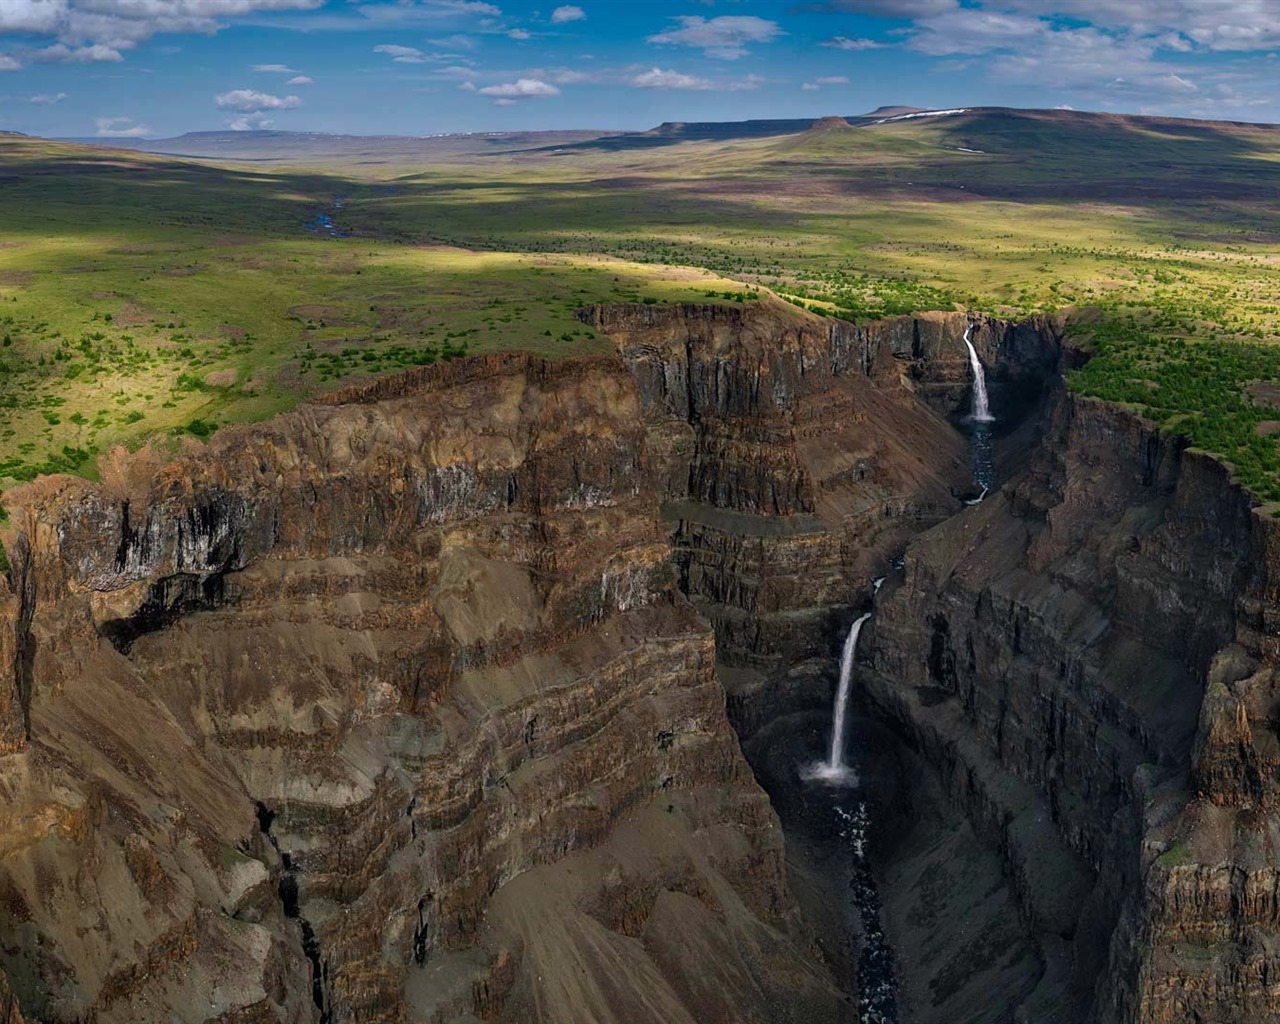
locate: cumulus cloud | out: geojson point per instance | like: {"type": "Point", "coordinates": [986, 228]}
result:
{"type": "Point", "coordinates": [120, 127]}
{"type": "Point", "coordinates": [518, 33]}
{"type": "Point", "coordinates": [1097, 48]}
{"type": "Point", "coordinates": [810, 87]}
{"type": "Point", "coordinates": [61, 53]}
{"type": "Point", "coordinates": [252, 122]}
{"type": "Point", "coordinates": [250, 100]}
{"type": "Point", "coordinates": [725, 37]}
{"type": "Point", "coordinates": [568, 13]}
{"type": "Point", "coordinates": [34, 17]}
{"type": "Point", "coordinates": [1217, 25]}
{"type": "Point", "coordinates": [520, 89]}
{"type": "Point", "coordinates": [98, 30]}
{"type": "Point", "coordinates": [7, 63]}
{"type": "Point", "coordinates": [47, 99]}
{"type": "Point", "coordinates": [847, 43]}
{"type": "Point", "coordinates": [299, 80]}
{"type": "Point", "coordinates": [402, 54]}
{"type": "Point", "coordinates": [656, 78]}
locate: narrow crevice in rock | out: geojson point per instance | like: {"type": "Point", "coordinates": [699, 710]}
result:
{"type": "Point", "coordinates": [287, 890]}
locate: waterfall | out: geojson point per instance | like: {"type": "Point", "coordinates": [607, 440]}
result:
{"type": "Point", "coordinates": [981, 409]}
{"type": "Point", "coordinates": [834, 770]}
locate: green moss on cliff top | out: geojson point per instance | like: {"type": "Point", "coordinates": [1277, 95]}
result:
{"type": "Point", "coordinates": [1194, 387]}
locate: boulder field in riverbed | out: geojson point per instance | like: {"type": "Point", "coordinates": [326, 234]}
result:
{"type": "Point", "coordinates": [414, 704]}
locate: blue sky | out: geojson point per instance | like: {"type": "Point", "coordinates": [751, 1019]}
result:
{"type": "Point", "coordinates": [417, 67]}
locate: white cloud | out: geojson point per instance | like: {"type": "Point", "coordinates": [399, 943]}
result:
{"type": "Point", "coordinates": [402, 54]}
{"type": "Point", "coordinates": [569, 12]}
{"type": "Point", "coordinates": [567, 76]}
{"type": "Point", "coordinates": [970, 30]}
{"type": "Point", "coordinates": [832, 80]}
{"type": "Point", "coordinates": [60, 53]}
{"type": "Point", "coordinates": [102, 30]}
{"type": "Point", "coordinates": [252, 122]}
{"type": "Point", "coordinates": [846, 43]}
{"type": "Point", "coordinates": [120, 127]}
{"type": "Point", "coordinates": [46, 99]}
{"type": "Point", "coordinates": [300, 80]}
{"type": "Point", "coordinates": [725, 37]}
{"type": "Point", "coordinates": [35, 17]}
{"type": "Point", "coordinates": [810, 87]}
{"type": "Point", "coordinates": [1214, 24]}
{"type": "Point", "coordinates": [656, 78]}
{"type": "Point", "coordinates": [7, 63]}
{"type": "Point", "coordinates": [521, 89]}
{"type": "Point", "coordinates": [518, 33]}
{"type": "Point", "coordinates": [277, 69]}
{"type": "Point", "coordinates": [249, 100]}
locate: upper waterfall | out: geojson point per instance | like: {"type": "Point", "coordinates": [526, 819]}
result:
{"type": "Point", "coordinates": [981, 407]}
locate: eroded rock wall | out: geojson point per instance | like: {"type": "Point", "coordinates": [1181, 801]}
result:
{"type": "Point", "coordinates": [1087, 659]}
{"type": "Point", "coordinates": [294, 711]}
{"type": "Point", "coordinates": [799, 457]}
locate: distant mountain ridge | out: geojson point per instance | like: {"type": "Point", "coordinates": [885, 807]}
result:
{"type": "Point", "coordinates": [318, 147]}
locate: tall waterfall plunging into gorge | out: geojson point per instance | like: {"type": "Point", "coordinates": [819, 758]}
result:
{"type": "Point", "coordinates": [834, 770]}
{"type": "Point", "coordinates": [981, 408]}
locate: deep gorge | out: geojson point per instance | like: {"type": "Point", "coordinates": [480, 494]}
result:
{"type": "Point", "coordinates": [485, 644]}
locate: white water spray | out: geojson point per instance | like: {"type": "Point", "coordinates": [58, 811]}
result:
{"type": "Point", "coordinates": [834, 771]}
{"type": "Point", "coordinates": [981, 408]}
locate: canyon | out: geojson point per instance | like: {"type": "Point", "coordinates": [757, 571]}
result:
{"type": "Point", "coordinates": [478, 693]}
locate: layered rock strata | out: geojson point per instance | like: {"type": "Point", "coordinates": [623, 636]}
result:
{"type": "Point", "coordinates": [799, 456]}
{"type": "Point", "coordinates": [394, 708]}
{"type": "Point", "coordinates": [1087, 659]}
{"type": "Point", "coordinates": [293, 723]}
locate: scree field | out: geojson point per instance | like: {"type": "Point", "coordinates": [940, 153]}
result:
{"type": "Point", "coordinates": [151, 297]}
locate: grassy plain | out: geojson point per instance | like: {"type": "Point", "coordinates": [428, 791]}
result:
{"type": "Point", "coordinates": [143, 294]}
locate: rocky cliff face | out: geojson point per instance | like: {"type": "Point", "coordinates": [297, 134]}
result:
{"type": "Point", "coordinates": [386, 710]}
{"type": "Point", "coordinates": [410, 705]}
{"type": "Point", "coordinates": [799, 456]}
{"type": "Point", "coordinates": [1087, 660]}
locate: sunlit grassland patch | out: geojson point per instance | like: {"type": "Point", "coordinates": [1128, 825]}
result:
{"type": "Point", "coordinates": [121, 319]}
{"type": "Point", "coordinates": [146, 295]}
